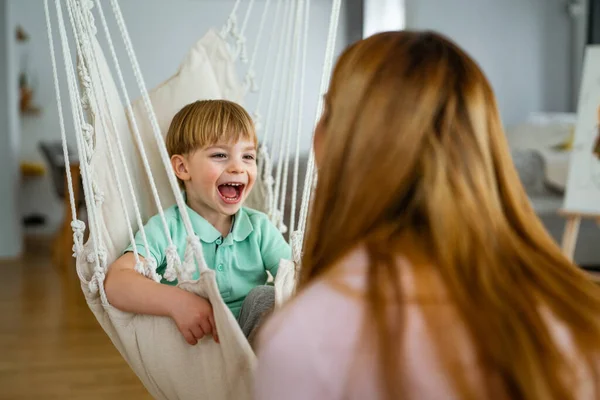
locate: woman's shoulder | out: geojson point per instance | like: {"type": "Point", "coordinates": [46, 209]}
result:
{"type": "Point", "coordinates": [326, 314]}
{"type": "Point", "coordinates": [318, 308]}
{"type": "Point", "coordinates": [311, 337]}
{"type": "Point", "coordinates": [340, 293]}
{"type": "Point", "coordinates": [321, 329]}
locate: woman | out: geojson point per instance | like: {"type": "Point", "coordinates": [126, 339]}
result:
{"type": "Point", "coordinates": [426, 273]}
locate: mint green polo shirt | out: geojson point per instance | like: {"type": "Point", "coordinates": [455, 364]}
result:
{"type": "Point", "coordinates": [241, 259]}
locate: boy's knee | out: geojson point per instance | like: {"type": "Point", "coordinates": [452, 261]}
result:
{"type": "Point", "coordinates": [263, 295]}
{"type": "Point", "coordinates": [257, 305]}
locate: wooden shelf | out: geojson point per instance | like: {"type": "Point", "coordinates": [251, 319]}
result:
{"type": "Point", "coordinates": [31, 111]}
{"type": "Point", "coordinates": [32, 169]}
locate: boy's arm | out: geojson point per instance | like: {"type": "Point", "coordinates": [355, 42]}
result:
{"type": "Point", "coordinates": [273, 247]}
{"type": "Point", "coordinates": [129, 291]}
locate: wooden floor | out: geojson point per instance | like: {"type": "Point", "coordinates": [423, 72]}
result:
{"type": "Point", "coordinates": [51, 346]}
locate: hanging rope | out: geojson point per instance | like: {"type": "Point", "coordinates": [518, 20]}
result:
{"type": "Point", "coordinates": [197, 248]}
{"type": "Point", "coordinates": [300, 114]}
{"type": "Point", "coordinates": [250, 78]}
{"type": "Point", "coordinates": [77, 225]}
{"type": "Point", "coordinates": [231, 29]}
{"type": "Point", "coordinates": [281, 119]}
{"type": "Point", "coordinates": [327, 67]}
{"type": "Point", "coordinates": [230, 24]}
{"type": "Point", "coordinates": [83, 22]}
{"type": "Point", "coordinates": [267, 167]}
{"type": "Point", "coordinates": [96, 257]}
{"type": "Point", "coordinates": [293, 84]}
{"type": "Point", "coordinates": [81, 25]}
{"type": "Point", "coordinates": [272, 35]}
{"type": "Point", "coordinates": [173, 264]}
{"type": "Point", "coordinates": [241, 50]}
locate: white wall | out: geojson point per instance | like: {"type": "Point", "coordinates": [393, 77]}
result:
{"type": "Point", "coordinates": [579, 15]}
{"type": "Point", "coordinates": [162, 32]}
{"type": "Point", "coordinates": [10, 227]}
{"type": "Point", "coordinates": [383, 15]}
{"type": "Point", "coordinates": [524, 47]}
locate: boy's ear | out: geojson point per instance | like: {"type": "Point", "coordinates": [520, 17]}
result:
{"type": "Point", "coordinates": [180, 167]}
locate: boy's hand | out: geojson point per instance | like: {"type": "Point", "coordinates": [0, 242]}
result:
{"type": "Point", "coordinates": [193, 316]}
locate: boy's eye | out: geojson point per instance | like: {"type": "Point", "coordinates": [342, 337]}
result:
{"type": "Point", "coordinates": [219, 155]}
{"type": "Point", "coordinates": [249, 157]}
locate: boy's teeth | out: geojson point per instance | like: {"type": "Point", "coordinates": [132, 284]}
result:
{"type": "Point", "coordinates": [231, 191]}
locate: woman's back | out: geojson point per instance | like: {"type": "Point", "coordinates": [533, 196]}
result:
{"type": "Point", "coordinates": [321, 348]}
{"type": "Point", "coordinates": [411, 145]}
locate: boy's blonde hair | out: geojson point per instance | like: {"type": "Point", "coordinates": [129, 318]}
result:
{"type": "Point", "coordinates": [206, 122]}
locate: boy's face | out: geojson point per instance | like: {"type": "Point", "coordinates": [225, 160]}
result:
{"type": "Point", "coordinates": [218, 178]}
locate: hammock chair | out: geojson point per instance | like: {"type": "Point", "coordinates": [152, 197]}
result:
{"type": "Point", "coordinates": [127, 178]}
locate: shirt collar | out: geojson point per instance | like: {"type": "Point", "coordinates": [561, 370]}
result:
{"type": "Point", "coordinates": [242, 227]}
{"type": "Point", "coordinates": [204, 229]}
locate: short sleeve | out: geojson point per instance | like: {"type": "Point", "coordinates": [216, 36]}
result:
{"type": "Point", "coordinates": [273, 246]}
{"type": "Point", "coordinates": [155, 238]}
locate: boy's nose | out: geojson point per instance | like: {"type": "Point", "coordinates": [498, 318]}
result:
{"type": "Point", "coordinates": [235, 167]}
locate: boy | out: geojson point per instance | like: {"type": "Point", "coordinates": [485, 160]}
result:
{"type": "Point", "coordinates": [212, 145]}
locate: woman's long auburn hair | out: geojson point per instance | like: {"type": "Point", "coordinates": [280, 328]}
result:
{"type": "Point", "coordinates": [412, 142]}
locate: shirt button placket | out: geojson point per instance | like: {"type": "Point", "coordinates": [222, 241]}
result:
{"type": "Point", "coordinates": [219, 242]}
{"type": "Point", "coordinates": [222, 280]}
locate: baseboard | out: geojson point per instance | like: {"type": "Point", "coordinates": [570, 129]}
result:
{"type": "Point", "coordinates": [38, 244]}
{"type": "Point", "coordinates": [591, 268]}
{"type": "Point", "coordinates": [9, 261]}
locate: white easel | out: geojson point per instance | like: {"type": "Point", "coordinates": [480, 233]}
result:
{"type": "Point", "coordinates": [571, 232]}
{"type": "Point", "coordinates": [582, 199]}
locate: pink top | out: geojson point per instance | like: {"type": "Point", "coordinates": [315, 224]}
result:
{"type": "Point", "coordinates": [309, 350]}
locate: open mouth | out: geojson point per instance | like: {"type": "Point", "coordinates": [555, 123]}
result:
{"type": "Point", "coordinates": [231, 192]}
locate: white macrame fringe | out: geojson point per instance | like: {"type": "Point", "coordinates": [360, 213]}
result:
{"type": "Point", "coordinates": [296, 244]}
{"type": "Point", "coordinates": [173, 269]}
{"type": "Point", "coordinates": [83, 47]}
{"type": "Point", "coordinates": [96, 255]}
{"type": "Point", "coordinates": [77, 225]}
{"type": "Point", "coordinates": [192, 250]}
